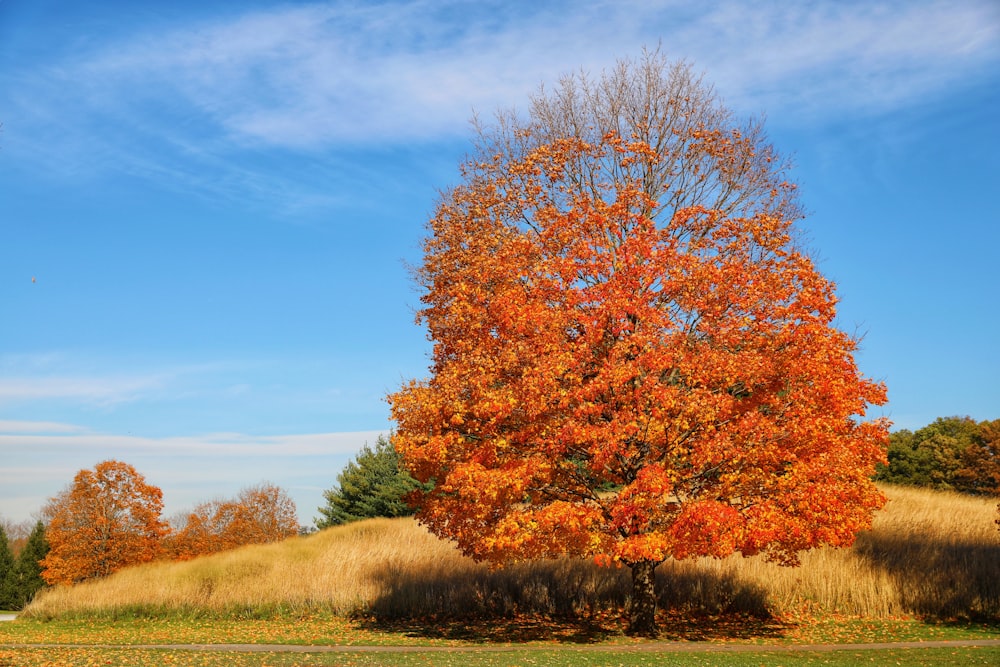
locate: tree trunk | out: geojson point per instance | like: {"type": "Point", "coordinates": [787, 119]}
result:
{"type": "Point", "coordinates": [642, 613]}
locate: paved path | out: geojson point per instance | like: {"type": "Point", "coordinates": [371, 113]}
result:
{"type": "Point", "coordinates": [649, 647]}
{"type": "Point", "coordinates": [7, 617]}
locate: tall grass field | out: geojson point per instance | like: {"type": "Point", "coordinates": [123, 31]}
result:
{"type": "Point", "coordinates": [929, 554]}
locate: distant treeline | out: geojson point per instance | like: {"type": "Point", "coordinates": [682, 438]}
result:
{"type": "Point", "coordinates": [952, 453]}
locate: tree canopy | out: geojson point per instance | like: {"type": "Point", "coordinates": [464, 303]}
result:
{"type": "Point", "coordinates": [258, 515]}
{"type": "Point", "coordinates": [949, 454]}
{"type": "Point", "coordinates": [633, 359]}
{"type": "Point", "coordinates": [370, 485]}
{"type": "Point", "coordinates": [107, 519]}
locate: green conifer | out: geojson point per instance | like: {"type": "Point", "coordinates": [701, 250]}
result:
{"type": "Point", "coordinates": [28, 569]}
{"type": "Point", "coordinates": [369, 486]}
{"type": "Point", "coordinates": [6, 573]}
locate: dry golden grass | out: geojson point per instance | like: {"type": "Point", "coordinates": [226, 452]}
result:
{"type": "Point", "coordinates": [929, 553]}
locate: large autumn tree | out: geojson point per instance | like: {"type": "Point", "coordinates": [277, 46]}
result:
{"type": "Point", "coordinates": [633, 359]}
{"type": "Point", "coordinates": [107, 519]}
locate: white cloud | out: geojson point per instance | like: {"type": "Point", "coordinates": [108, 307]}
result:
{"type": "Point", "coordinates": [31, 380]}
{"type": "Point", "coordinates": [308, 76]}
{"type": "Point", "coordinates": [103, 382]}
{"type": "Point", "coordinates": [212, 444]}
{"type": "Point", "coordinates": [187, 106]}
{"type": "Point", "coordinates": [102, 391]}
{"type": "Point", "coordinates": [37, 460]}
{"type": "Point", "coordinates": [10, 426]}
{"type": "Point", "coordinates": [824, 59]}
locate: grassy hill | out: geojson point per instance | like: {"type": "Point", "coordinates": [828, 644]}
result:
{"type": "Point", "coordinates": [929, 553]}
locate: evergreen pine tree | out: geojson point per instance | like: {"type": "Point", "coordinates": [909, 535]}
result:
{"type": "Point", "coordinates": [28, 569]}
{"type": "Point", "coordinates": [6, 572]}
{"type": "Point", "coordinates": [369, 486]}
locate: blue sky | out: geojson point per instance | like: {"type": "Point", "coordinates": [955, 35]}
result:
{"type": "Point", "coordinates": [206, 207]}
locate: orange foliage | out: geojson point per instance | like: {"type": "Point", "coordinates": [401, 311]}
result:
{"type": "Point", "coordinates": [632, 358]}
{"type": "Point", "coordinates": [979, 468]}
{"type": "Point", "coordinates": [258, 515]}
{"type": "Point", "coordinates": [109, 518]}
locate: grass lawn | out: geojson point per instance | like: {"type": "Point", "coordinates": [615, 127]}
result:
{"type": "Point", "coordinates": [509, 643]}
{"type": "Point", "coordinates": [519, 657]}
{"type": "Point", "coordinates": [337, 630]}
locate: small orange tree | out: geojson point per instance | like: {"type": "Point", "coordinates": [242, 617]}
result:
{"type": "Point", "coordinates": [632, 359]}
{"type": "Point", "coordinates": [259, 514]}
{"type": "Point", "coordinates": [109, 518]}
{"type": "Point", "coordinates": [266, 514]}
{"type": "Point", "coordinates": [202, 531]}
{"type": "Point", "coordinates": [979, 463]}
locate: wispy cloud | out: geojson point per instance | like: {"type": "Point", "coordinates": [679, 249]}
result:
{"type": "Point", "coordinates": [9, 427]}
{"type": "Point", "coordinates": [822, 60]}
{"type": "Point", "coordinates": [103, 391]}
{"type": "Point", "coordinates": [147, 397]}
{"type": "Point", "coordinates": [57, 376]}
{"type": "Point", "coordinates": [307, 78]}
{"type": "Point", "coordinates": [66, 437]}
{"type": "Point", "coordinates": [37, 460]}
